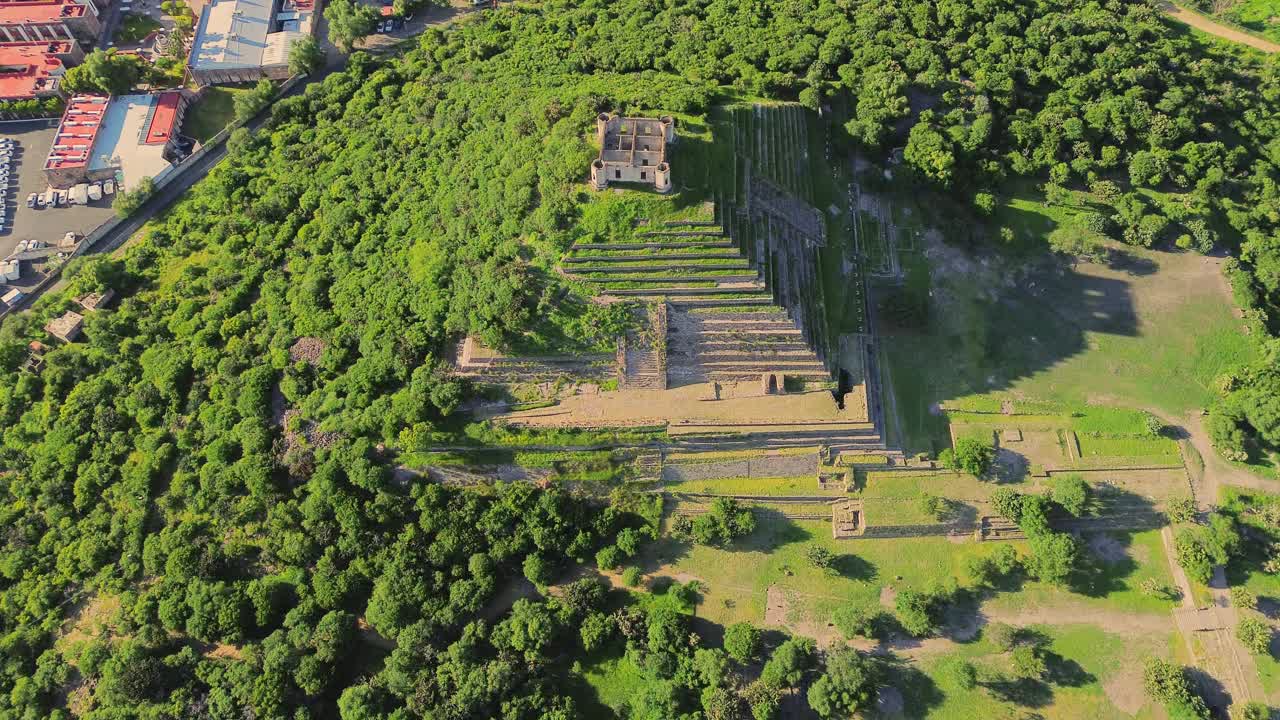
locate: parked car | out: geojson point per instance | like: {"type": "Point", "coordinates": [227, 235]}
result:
{"type": "Point", "coordinates": [95, 192]}
{"type": "Point", "coordinates": [31, 200]}
{"type": "Point", "coordinates": [109, 187]}
{"type": "Point", "coordinates": [60, 198]}
{"type": "Point", "coordinates": [40, 202]}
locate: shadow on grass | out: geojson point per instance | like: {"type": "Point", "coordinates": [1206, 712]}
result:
{"type": "Point", "coordinates": [853, 567]}
{"type": "Point", "coordinates": [920, 690]}
{"type": "Point", "coordinates": [1025, 692]}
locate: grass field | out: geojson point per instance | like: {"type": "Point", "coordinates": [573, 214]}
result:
{"type": "Point", "coordinates": [737, 580]}
{"type": "Point", "coordinates": [1259, 16]}
{"type": "Point", "coordinates": [133, 28]}
{"type": "Point", "coordinates": [1153, 333]}
{"type": "Point", "coordinates": [1087, 666]}
{"type": "Point", "coordinates": [212, 112]}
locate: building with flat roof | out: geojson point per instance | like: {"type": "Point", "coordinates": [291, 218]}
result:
{"type": "Point", "coordinates": [127, 137]}
{"type": "Point", "coordinates": [246, 40]}
{"type": "Point", "coordinates": [66, 328]}
{"type": "Point", "coordinates": [34, 69]}
{"type": "Point", "coordinates": [34, 20]}
{"type": "Point", "coordinates": [633, 150]}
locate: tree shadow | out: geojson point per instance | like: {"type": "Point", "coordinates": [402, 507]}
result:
{"type": "Point", "coordinates": [994, 329]}
{"type": "Point", "coordinates": [1009, 466]}
{"type": "Point", "coordinates": [1215, 694]}
{"type": "Point", "coordinates": [854, 567]}
{"type": "Point", "coordinates": [919, 692]}
{"type": "Point", "coordinates": [1025, 692]}
{"type": "Point", "coordinates": [956, 511]}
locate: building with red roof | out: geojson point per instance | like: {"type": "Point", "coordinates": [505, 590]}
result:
{"type": "Point", "coordinates": [34, 69]}
{"type": "Point", "coordinates": [36, 20]}
{"type": "Point", "coordinates": [127, 138]}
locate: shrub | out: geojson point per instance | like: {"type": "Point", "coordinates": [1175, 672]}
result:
{"type": "Point", "coordinates": [1255, 711]}
{"type": "Point", "coordinates": [820, 557]}
{"type": "Point", "coordinates": [724, 523]}
{"type": "Point", "coordinates": [1072, 493]}
{"type": "Point", "coordinates": [1002, 636]}
{"type": "Point", "coordinates": [631, 576]}
{"type": "Point", "coordinates": [1181, 510]}
{"type": "Point", "coordinates": [970, 455]}
{"type": "Point", "coordinates": [608, 557]}
{"type": "Point", "coordinates": [742, 642]}
{"type": "Point", "coordinates": [1028, 662]}
{"type": "Point", "coordinates": [853, 621]}
{"type": "Point", "coordinates": [1243, 597]}
{"type": "Point", "coordinates": [1255, 635]}
{"type": "Point", "coordinates": [932, 505]}
{"type": "Point", "coordinates": [1008, 503]}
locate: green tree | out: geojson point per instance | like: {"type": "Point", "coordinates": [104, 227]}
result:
{"type": "Point", "coordinates": [742, 642]}
{"type": "Point", "coordinates": [846, 686]}
{"type": "Point", "coordinates": [789, 662]}
{"type": "Point", "coordinates": [1072, 493]}
{"type": "Point", "coordinates": [972, 456]}
{"type": "Point", "coordinates": [106, 72]}
{"type": "Point", "coordinates": [1255, 635]}
{"type": "Point", "coordinates": [305, 56]}
{"type": "Point", "coordinates": [349, 21]}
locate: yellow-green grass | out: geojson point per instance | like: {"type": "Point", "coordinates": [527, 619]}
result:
{"type": "Point", "coordinates": [1146, 447]}
{"type": "Point", "coordinates": [615, 679]}
{"type": "Point", "coordinates": [801, 485]}
{"type": "Point", "coordinates": [718, 455]}
{"type": "Point", "coordinates": [1154, 333]}
{"type": "Point", "coordinates": [1114, 587]}
{"type": "Point", "coordinates": [1096, 657]}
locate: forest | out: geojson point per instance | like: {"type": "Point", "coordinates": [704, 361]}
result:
{"type": "Point", "coordinates": [217, 457]}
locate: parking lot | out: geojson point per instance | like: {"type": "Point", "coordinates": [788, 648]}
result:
{"type": "Point", "coordinates": [26, 176]}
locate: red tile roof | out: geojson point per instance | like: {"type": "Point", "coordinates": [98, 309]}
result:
{"type": "Point", "coordinates": [40, 11]}
{"type": "Point", "coordinates": [163, 120]}
{"type": "Point", "coordinates": [30, 69]}
{"type": "Point", "coordinates": [74, 141]}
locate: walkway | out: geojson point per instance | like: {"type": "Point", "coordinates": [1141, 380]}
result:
{"type": "Point", "coordinates": [1226, 32]}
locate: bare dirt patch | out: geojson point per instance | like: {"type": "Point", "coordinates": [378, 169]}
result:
{"type": "Point", "coordinates": [1125, 690]}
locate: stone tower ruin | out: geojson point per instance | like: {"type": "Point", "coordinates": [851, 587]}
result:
{"type": "Point", "coordinates": [633, 150]}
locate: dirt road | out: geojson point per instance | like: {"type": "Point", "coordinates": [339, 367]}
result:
{"type": "Point", "coordinates": [1226, 32]}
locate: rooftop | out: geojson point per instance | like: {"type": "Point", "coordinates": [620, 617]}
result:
{"type": "Point", "coordinates": [28, 69]}
{"type": "Point", "coordinates": [248, 33]}
{"type": "Point", "coordinates": [76, 135]}
{"type": "Point", "coordinates": [127, 137]}
{"type": "Point", "coordinates": [41, 11]}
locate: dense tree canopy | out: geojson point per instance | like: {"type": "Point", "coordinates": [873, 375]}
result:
{"type": "Point", "coordinates": [230, 490]}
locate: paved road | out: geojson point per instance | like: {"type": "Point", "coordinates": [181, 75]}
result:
{"type": "Point", "coordinates": [1226, 32]}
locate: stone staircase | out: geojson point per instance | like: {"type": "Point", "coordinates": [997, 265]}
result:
{"type": "Point", "coordinates": [724, 324]}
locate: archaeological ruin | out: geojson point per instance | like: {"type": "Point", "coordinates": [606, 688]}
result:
{"type": "Point", "coordinates": [633, 150]}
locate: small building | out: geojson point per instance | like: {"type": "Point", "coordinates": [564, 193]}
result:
{"type": "Point", "coordinates": [31, 70]}
{"type": "Point", "coordinates": [96, 301]}
{"type": "Point", "coordinates": [41, 20]}
{"type": "Point", "coordinates": [633, 150]}
{"type": "Point", "coordinates": [127, 137]}
{"type": "Point", "coordinates": [35, 357]}
{"type": "Point", "coordinates": [247, 40]}
{"type": "Point", "coordinates": [11, 297]}
{"type": "Point", "coordinates": [66, 328]}
{"type": "Point", "coordinates": [10, 269]}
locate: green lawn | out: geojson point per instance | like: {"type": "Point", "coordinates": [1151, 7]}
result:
{"type": "Point", "coordinates": [736, 579]}
{"type": "Point", "coordinates": [1083, 660]}
{"type": "Point", "coordinates": [212, 112]}
{"type": "Point", "coordinates": [1155, 335]}
{"type": "Point", "coordinates": [1259, 16]}
{"type": "Point", "coordinates": [133, 28]}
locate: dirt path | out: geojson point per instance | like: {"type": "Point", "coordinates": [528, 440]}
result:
{"type": "Point", "coordinates": [1226, 32]}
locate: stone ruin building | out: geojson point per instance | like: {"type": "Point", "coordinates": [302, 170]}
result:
{"type": "Point", "coordinates": [633, 150]}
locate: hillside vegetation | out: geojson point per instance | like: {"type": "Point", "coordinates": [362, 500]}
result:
{"type": "Point", "coordinates": [212, 458]}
